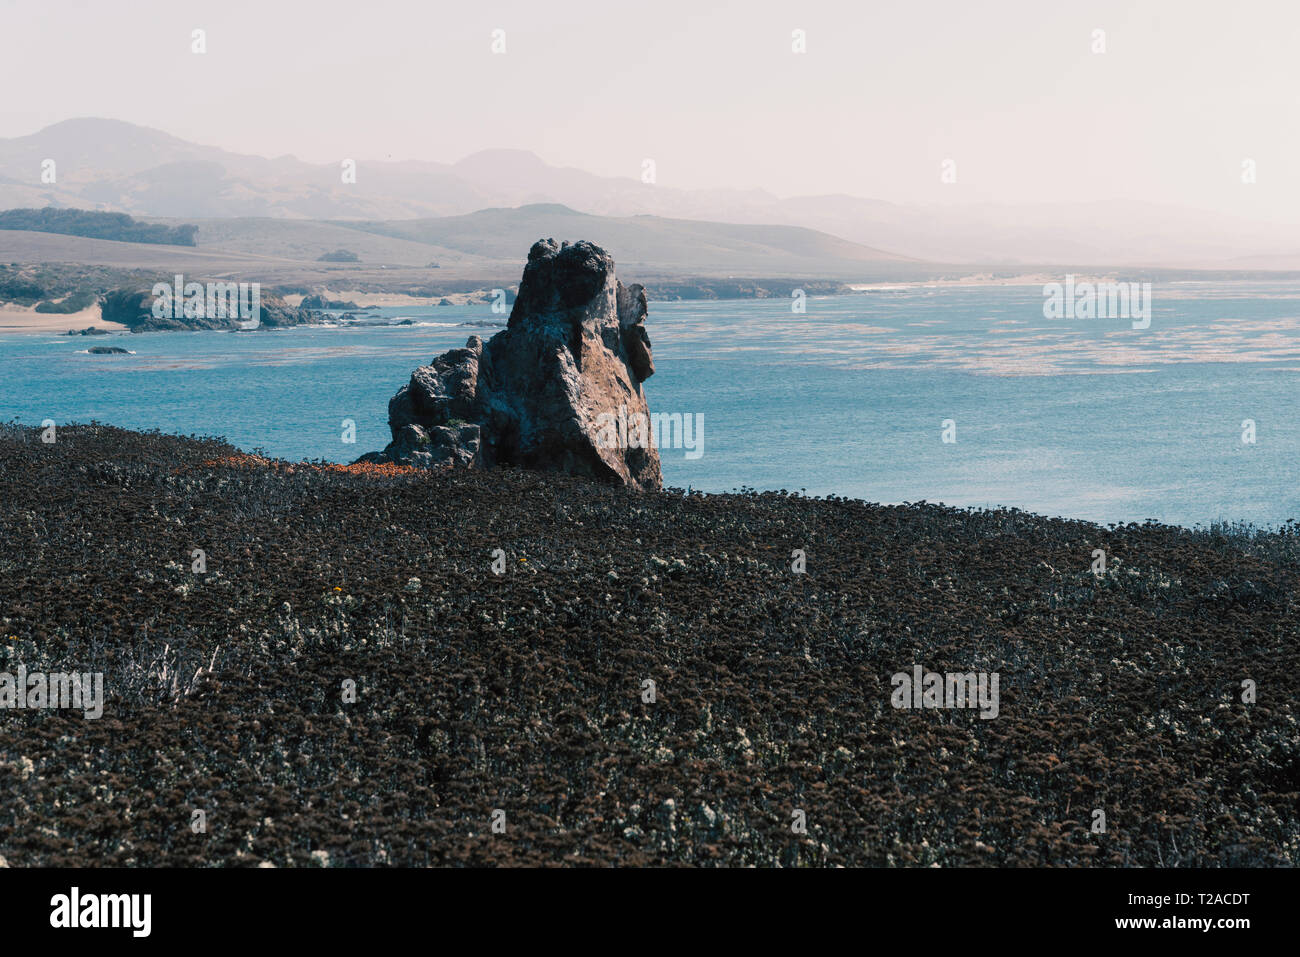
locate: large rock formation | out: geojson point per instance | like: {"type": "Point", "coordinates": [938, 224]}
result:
{"type": "Point", "coordinates": [135, 308]}
{"type": "Point", "coordinates": [558, 389]}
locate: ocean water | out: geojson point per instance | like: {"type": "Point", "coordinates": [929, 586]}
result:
{"type": "Point", "coordinates": [1085, 418]}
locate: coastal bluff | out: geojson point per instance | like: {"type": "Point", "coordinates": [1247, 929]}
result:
{"type": "Point", "coordinates": [541, 393]}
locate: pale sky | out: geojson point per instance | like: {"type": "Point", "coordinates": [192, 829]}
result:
{"type": "Point", "coordinates": [1010, 91]}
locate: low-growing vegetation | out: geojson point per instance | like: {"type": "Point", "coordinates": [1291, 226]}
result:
{"type": "Point", "coordinates": [525, 691]}
{"type": "Point", "coordinates": [96, 224]}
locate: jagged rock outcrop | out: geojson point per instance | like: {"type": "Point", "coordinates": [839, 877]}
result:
{"type": "Point", "coordinates": [558, 389]}
{"type": "Point", "coordinates": [318, 301]}
{"type": "Point", "coordinates": [134, 308]}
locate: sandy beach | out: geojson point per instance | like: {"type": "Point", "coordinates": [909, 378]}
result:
{"type": "Point", "coordinates": [21, 319]}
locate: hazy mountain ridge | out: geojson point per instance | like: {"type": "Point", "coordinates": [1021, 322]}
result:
{"type": "Point", "coordinates": [114, 165]}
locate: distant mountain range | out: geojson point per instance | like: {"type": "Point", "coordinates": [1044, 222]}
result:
{"type": "Point", "coordinates": [113, 165]}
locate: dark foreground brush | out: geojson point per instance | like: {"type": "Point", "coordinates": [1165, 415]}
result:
{"type": "Point", "coordinates": [347, 679]}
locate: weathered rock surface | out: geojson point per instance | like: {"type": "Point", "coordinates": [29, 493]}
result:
{"type": "Point", "coordinates": [544, 393]}
{"type": "Point", "coordinates": [134, 308]}
{"type": "Point", "coordinates": [319, 301]}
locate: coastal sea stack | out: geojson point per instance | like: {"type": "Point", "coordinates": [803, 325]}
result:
{"type": "Point", "coordinates": [559, 389]}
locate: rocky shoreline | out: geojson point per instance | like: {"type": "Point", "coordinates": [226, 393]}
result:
{"type": "Point", "coordinates": [134, 308]}
{"type": "Point", "coordinates": [122, 296]}
{"type": "Point", "coordinates": [525, 691]}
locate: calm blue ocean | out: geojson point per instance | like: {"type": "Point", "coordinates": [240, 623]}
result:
{"type": "Point", "coordinates": [1085, 418]}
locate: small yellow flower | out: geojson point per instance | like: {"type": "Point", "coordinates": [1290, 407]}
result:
{"type": "Point", "coordinates": [337, 588]}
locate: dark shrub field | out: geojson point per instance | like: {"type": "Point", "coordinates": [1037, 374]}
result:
{"type": "Point", "coordinates": [525, 692]}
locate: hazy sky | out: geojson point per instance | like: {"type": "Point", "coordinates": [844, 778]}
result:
{"type": "Point", "coordinates": [1010, 91]}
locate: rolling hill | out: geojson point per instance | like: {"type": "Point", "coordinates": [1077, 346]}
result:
{"type": "Point", "coordinates": [113, 165]}
{"type": "Point", "coordinates": [639, 241]}
{"type": "Point", "coordinates": [489, 243]}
